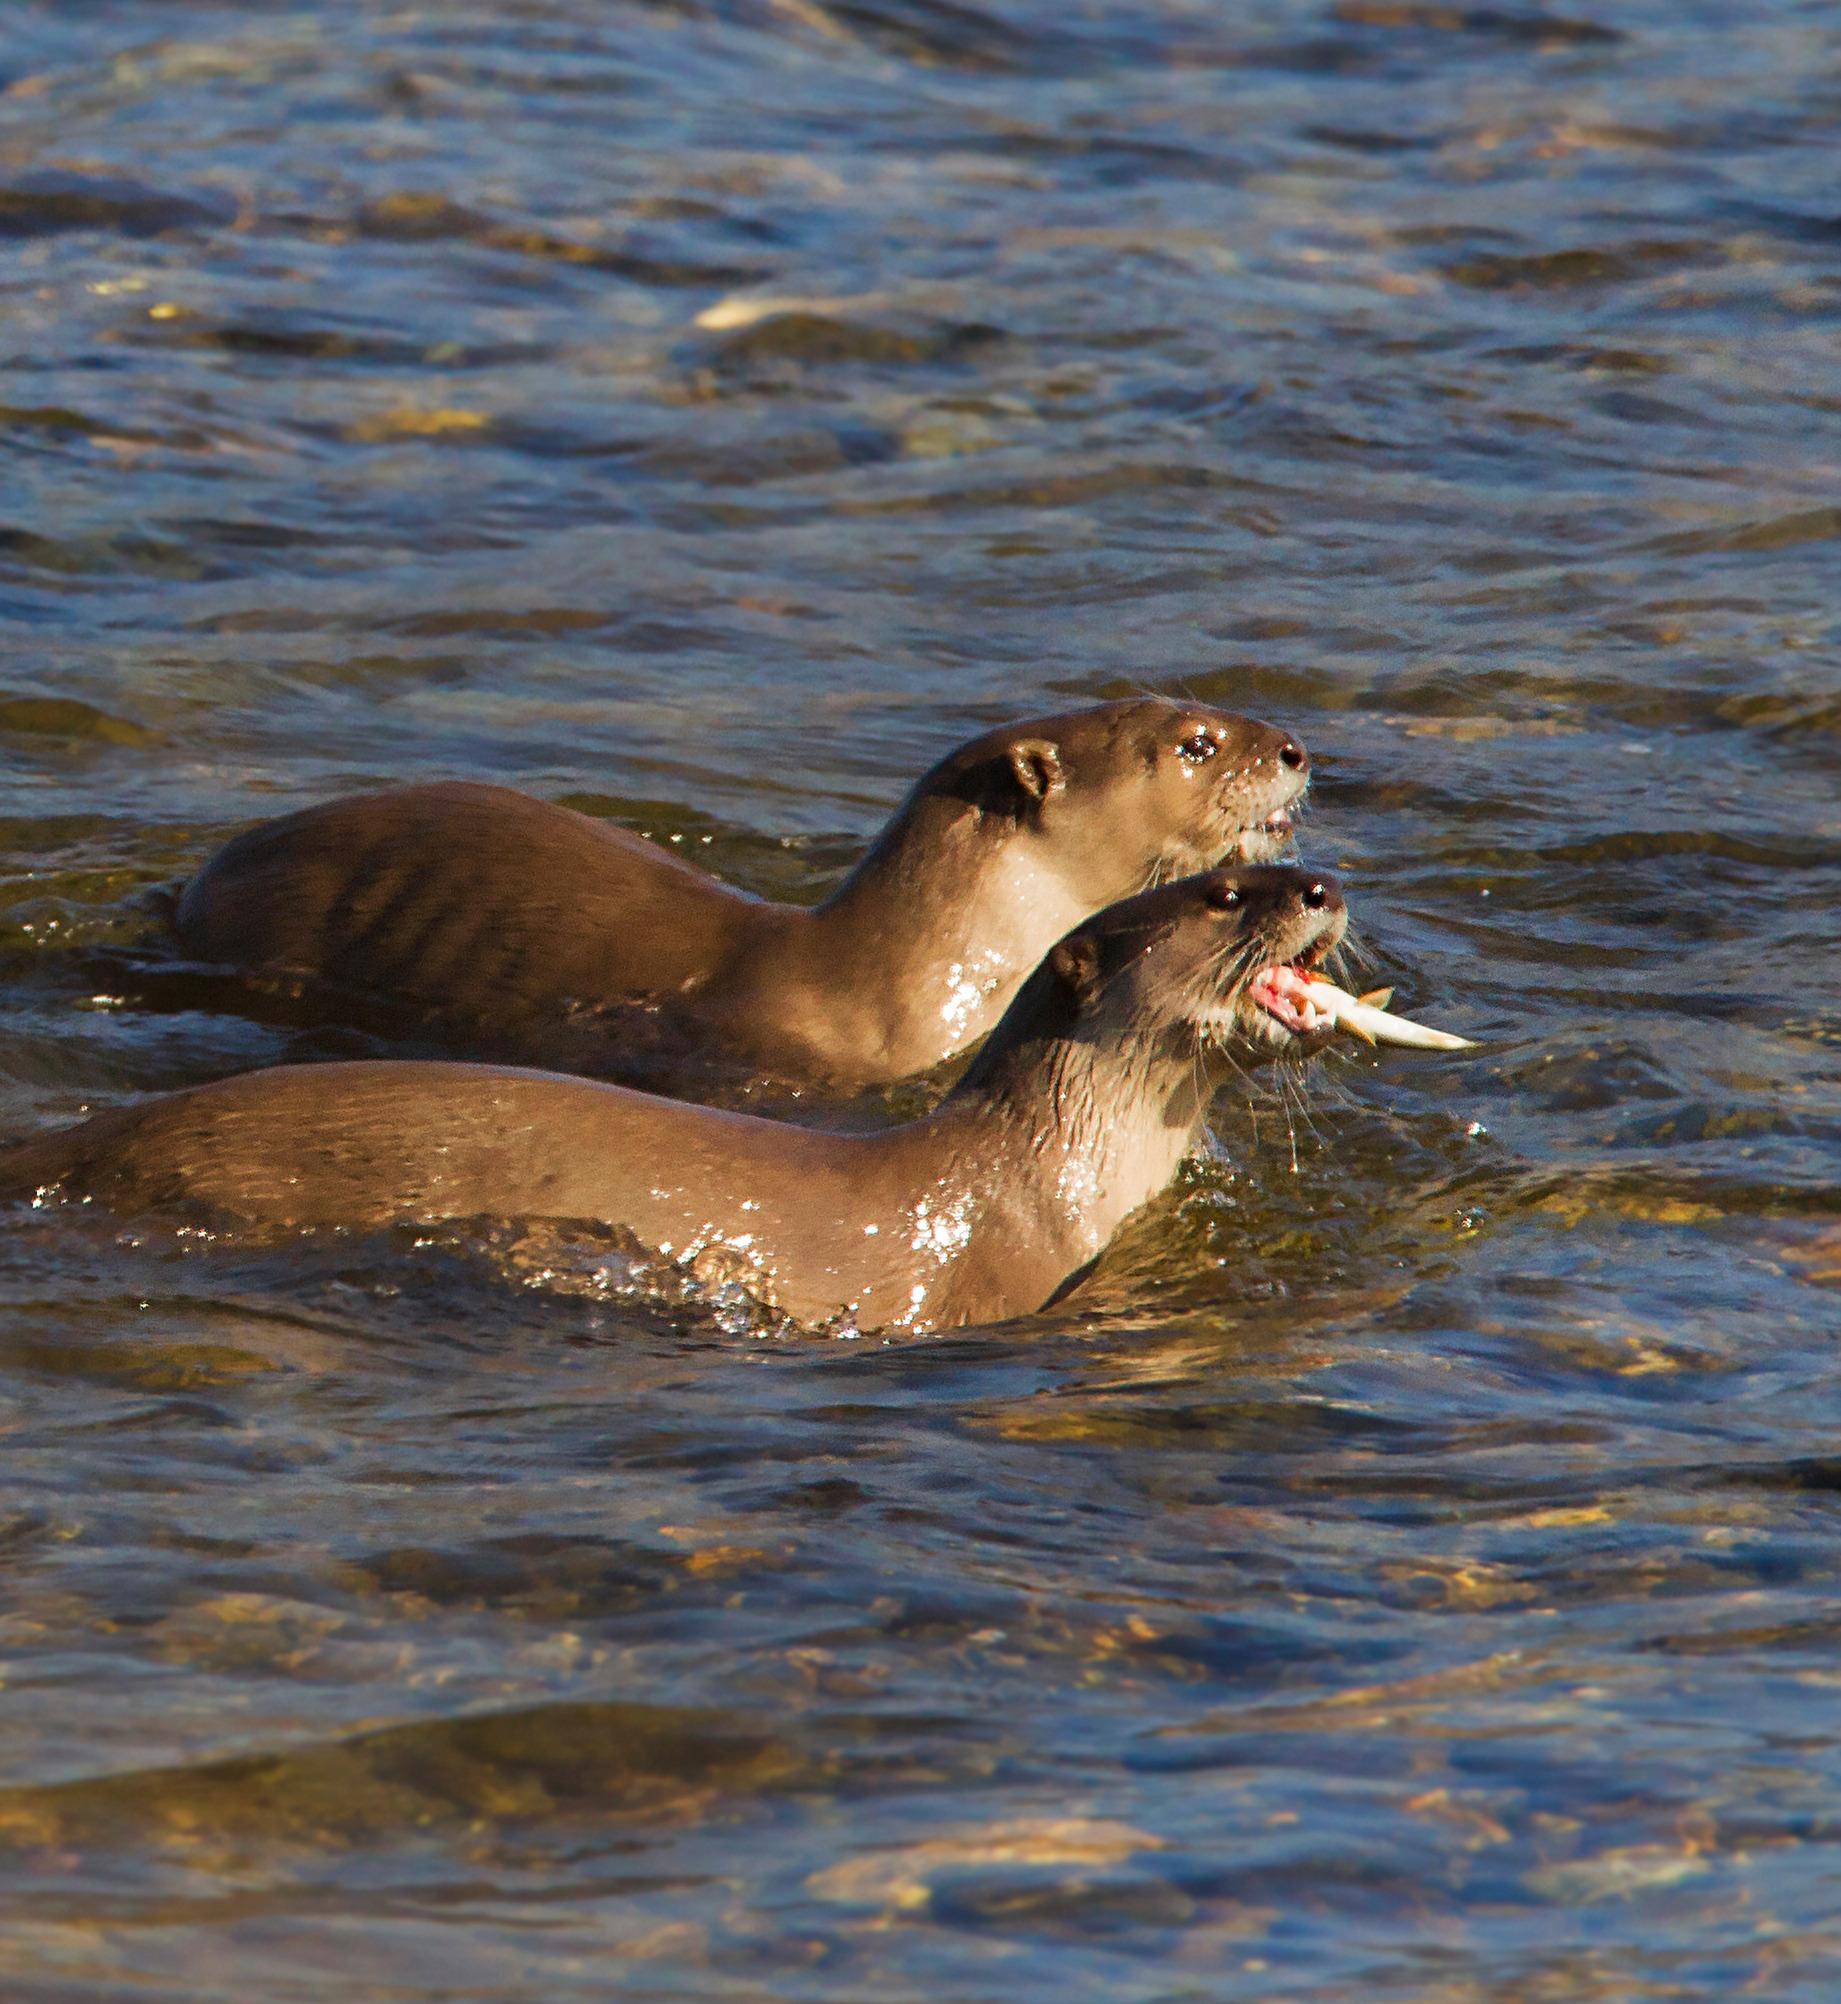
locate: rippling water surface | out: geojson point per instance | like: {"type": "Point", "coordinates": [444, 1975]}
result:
{"type": "Point", "coordinates": [1412, 1570]}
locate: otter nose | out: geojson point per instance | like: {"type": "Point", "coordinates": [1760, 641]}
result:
{"type": "Point", "coordinates": [1293, 754]}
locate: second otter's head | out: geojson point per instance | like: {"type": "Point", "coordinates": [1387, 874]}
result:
{"type": "Point", "coordinates": [1192, 967]}
{"type": "Point", "coordinates": [1110, 797]}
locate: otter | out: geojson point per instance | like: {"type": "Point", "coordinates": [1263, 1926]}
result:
{"type": "Point", "coordinates": [515, 929]}
{"type": "Point", "coordinates": [1076, 1112]}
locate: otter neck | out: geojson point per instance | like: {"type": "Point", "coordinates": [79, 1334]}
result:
{"type": "Point", "coordinates": [1104, 1127]}
{"type": "Point", "coordinates": [919, 950]}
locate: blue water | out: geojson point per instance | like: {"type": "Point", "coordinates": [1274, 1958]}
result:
{"type": "Point", "coordinates": [1411, 1571]}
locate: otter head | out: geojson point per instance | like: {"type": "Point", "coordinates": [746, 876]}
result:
{"type": "Point", "coordinates": [1197, 966]}
{"type": "Point", "coordinates": [1108, 798]}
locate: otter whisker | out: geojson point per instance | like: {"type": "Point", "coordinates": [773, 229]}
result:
{"type": "Point", "coordinates": [1256, 1089]}
{"type": "Point", "coordinates": [1291, 1131]}
{"type": "Point", "coordinates": [1292, 1087]}
{"type": "Point", "coordinates": [1351, 951]}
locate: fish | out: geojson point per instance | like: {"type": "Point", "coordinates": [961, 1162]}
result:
{"type": "Point", "coordinates": [1369, 1018]}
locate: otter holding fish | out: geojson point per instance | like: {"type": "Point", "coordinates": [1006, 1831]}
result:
{"type": "Point", "coordinates": [1087, 1096]}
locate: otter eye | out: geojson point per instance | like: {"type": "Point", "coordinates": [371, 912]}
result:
{"type": "Point", "coordinates": [1225, 898]}
{"type": "Point", "coordinates": [1198, 747]}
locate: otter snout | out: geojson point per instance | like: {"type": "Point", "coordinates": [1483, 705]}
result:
{"type": "Point", "coordinates": [1290, 920]}
{"type": "Point", "coordinates": [1281, 752]}
{"type": "Point", "coordinates": [1276, 769]}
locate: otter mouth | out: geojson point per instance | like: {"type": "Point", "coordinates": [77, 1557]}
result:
{"type": "Point", "coordinates": [1284, 994]}
{"type": "Point", "coordinates": [1273, 1005]}
{"type": "Point", "coordinates": [1270, 838]}
{"type": "Point", "coordinates": [1267, 841]}
{"type": "Point", "coordinates": [1282, 990]}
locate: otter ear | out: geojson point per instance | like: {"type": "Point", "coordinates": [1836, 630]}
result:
{"type": "Point", "coordinates": [1076, 964]}
{"type": "Point", "coordinates": [1035, 765]}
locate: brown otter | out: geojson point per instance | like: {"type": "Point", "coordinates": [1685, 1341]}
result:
{"type": "Point", "coordinates": [523, 930]}
{"type": "Point", "coordinates": [1078, 1110]}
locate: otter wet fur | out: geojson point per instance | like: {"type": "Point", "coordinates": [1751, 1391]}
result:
{"type": "Point", "coordinates": [1077, 1111]}
{"type": "Point", "coordinates": [499, 925]}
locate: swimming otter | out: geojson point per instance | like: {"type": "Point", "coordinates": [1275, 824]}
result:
{"type": "Point", "coordinates": [516, 929]}
{"type": "Point", "coordinates": [1087, 1096]}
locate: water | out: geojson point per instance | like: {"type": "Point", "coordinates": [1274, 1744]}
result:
{"type": "Point", "coordinates": [1412, 1571]}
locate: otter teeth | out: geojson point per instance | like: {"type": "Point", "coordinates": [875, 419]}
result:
{"type": "Point", "coordinates": [1284, 993]}
{"type": "Point", "coordinates": [1369, 1018]}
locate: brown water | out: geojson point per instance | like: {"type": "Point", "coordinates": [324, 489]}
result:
{"type": "Point", "coordinates": [1413, 1570]}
